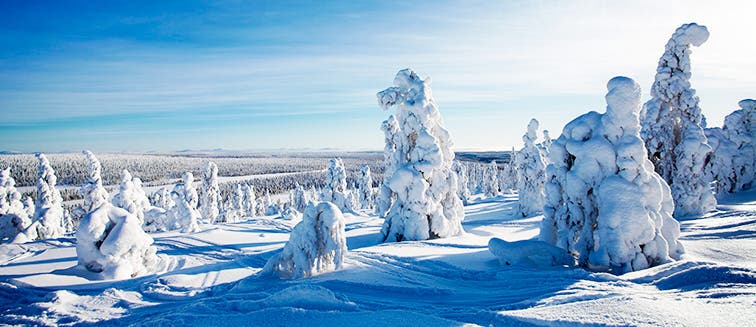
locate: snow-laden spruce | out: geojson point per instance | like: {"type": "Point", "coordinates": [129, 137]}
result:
{"type": "Point", "coordinates": [251, 207]}
{"type": "Point", "coordinates": [605, 204]}
{"type": "Point", "coordinates": [299, 198]}
{"type": "Point", "coordinates": [110, 241]}
{"type": "Point", "coordinates": [335, 189]}
{"type": "Point", "coordinates": [491, 180]}
{"type": "Point", "coordinates": [48, 209]}
{"type": "Point", "coordinates": [162, 198]}
{"type": "Point", "coordinates": [672, 128]}
{"type": "Point", "coordinates": [427, 205]}
{"type": "Point", "coordinates": [13, 215]}
{"type": "Point", "coordinates": [183, 215]}
{"type": "Point", "coordinates": [386, 197]}
{"type": "Point", "coordinates": [131, 196]}
{"type": "Point", "coordinates": [365, 189]}
{"type": "Point", "coordinates": [317, 244]}
{"type": "Point", "coordinates": [209, 201]}
{"type": "Point", "coordinates": [92, 190]}
{"type": "Point", "coordinates": [732, 164]}
{"type": "Point", "coordinates": [531, 173]}
{"type": "Point", "coordinates": [463, 191]}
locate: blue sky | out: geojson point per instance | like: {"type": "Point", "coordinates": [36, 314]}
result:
{"type": "Point", "coordinates": [164, 75]}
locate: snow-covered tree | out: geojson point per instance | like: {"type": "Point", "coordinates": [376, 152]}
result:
{"type": "Point", "coordinates": [250, 205]}
{"type": "Point", "coordinates": [672, 128]}
{"type": "Point", "coordinates": [427, 205]}
{"type": "Point", "coordinates": [463, 191]}
{"type": "Point", "coordinates": [365, 188]}
{"type": "Point", "coordinates": [299, 198]}
{"type": "Point", "coordinates": [317, 244]}
{"type": "Point", "coordinates": [335, 188]}
{"type": "Point", "coordinates": [546, 144]}
{"type": "Point", "coordinates": [210, 193]}
{"type": "Point", "coordinates": [131, 196]}
{"type": "Point", "coordinates": [531, 173]}
{"type": "Point", "coordinates": [720, 167]}
{"type": "Point", "coordinates": [92, 190]}
{"type": "Point", "coordinates": [740, 128]}
{"type": "Point", "coordinates": [491, 180]}
{"type": "Point", "coordinates": [184, 215]}
{"type": "Point", "coordinates": [14, 218]}
{"type": "Point", "coordinates": [385, 197]}
{"type": "Point", "coordinates": [48, 213]}
{"type": "Point", "coordinates": [162, 199]}
{"type": "Point", "coordinates": [605, 204]}
{"type": "Point", "coordinates": [110, 241]}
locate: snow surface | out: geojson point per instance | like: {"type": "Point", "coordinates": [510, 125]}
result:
{"type": "Point", "coordinates": [442, 282]}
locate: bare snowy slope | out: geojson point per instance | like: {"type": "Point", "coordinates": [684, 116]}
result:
{"type": "Point", "coordinates": [448, 282]}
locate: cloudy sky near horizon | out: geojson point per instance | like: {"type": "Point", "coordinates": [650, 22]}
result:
{"type": "Point", "coordinates": [263, 75]}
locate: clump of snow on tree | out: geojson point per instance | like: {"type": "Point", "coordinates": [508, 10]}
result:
{"type": "Point", "coordinates": [385, 198]}
{"type": "Point", "coordinates": [531, 166]}
{"type": "Point", "coordinates": [48, 209]}
{"type": "Point", "coordinates": [426, 205]}
{"type": "Point", "coordinates": [365, 189]}
{"type": "Point", "coordinates": [317, 244]}
{"type": "Point", "coordinates": [605, 204]}
{"type": "Point", "coordinates": [210, 193]}
{"type": "Point", "coordinates": [13, 215]}
{"type": "Point", "coordinates": [110, 241]}
{"type": "Point", "coordinates": [672, 128]}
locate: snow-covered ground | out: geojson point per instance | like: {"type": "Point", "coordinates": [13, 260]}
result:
{"type": "Point", "coordinates": [214, 279]}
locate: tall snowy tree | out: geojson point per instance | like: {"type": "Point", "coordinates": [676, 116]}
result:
{"type": "Point", "coordinates": [740, 128]}
{"type": "Point", "coordinates": [671, 125]}
{"type": "Point", "coordinates": [365, 188]}
{"type": "Point", "coordinates": [427, 205]}
{"type": "Point", "coordinates": [48, 213]}
{"type": "Point", "coordinates": [605, 204]}
{"type": "Point", "coordinates": [463, 191]}
{"type": "Point", "coordinates": [250, 206]}
{"type": "Point", "coordinates": [210, 193]}
{"type": "Point", "coordinates": [299, 198]}
{"type": "Point", "coordinates": [335, 187]}
{"type": "Point", "coordinates": [14, 218]}
{"type": "Point", "coordinates": [491, 180]}
{"type": "Point", "coordinates": [531, 173]}
{"type": "Point", "coordinates": [385, 198]}
{"type": "Point", "coordinates": [184, 215]}
{"type": "Point", "coordinates": [92, 190]}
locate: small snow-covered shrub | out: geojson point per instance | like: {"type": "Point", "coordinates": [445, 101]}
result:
{"type": "Point", "coordinates": [605, 204]}
{"type": "Point", "coordinates": [317, 244]}
{"type": "Point", "coordinates": [426, 205]}
{"type": "Point", "coordinates": [531, 166]}
{"type": "Point", "coordinates": [672, 128]}
{"type": "Point", "coordinates": [110, 241]}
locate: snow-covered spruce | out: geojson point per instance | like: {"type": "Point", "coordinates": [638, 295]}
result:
{"type": "Point", "coordinates": [110, 241]}
{"type": "Point", "coordinates": [531, 173]}
{"type": "Point", "coordinates": [605, 204]}
{"type": "Point", "coordinates": [131, 196]}
{"type": "Point", "coordinates": [183, 215]}
{"type": "Point", "coordinates": [299, 198]}
{"type": "Point", "coordinates": [162, 198]}
{"type": "Point", "coordinates": [251, 207]}
{"type": "Point", "coordinates": [463, 191]}
{"type": "Point", "coordinates": [386, 197]}
{"type": "Point", "coordinates": [13, 215]}
{"type": "Point", "coordinates": [365, 189]}
{"type": "Point", "coordinates": [48, 209]}
{"type": "Point", "coordinates": [209, 202]}
{"type": "Point", "coordinates": [335, 187]}
{"type": "Point", "coordinates": [317, 244]}
{"type": "Point", "coordinates": [427, 205]}
{"type": "Point", "coordinates": [672, 128]}
{"type": "Point", "coordinates": [491, 180]}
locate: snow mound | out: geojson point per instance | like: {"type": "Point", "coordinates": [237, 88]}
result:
{"type": "Point", "coordinates": [530, 253]}
{"type": "Point", "coordinates": [308, 296]}
{"type": "Point", "coordinates": [317, 244]}
{"type": "Point", "coordinates": [110, 241]}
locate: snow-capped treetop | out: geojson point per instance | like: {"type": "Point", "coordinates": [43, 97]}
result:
{"type": "Point", "coordinates": [131, 196]}
{"type": "Point", "coordinates": [94, 193]}
{"type": "Point", "coordinates": [425, 186]}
